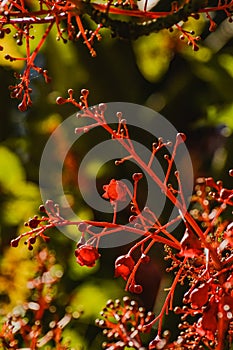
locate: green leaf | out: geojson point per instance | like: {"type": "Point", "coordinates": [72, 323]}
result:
{"type": "Point", "coordinates": [74, 340]}
{"type": "Point", "coordinates": [91, 297]}
{"type": "Point", "coordinates": [11, 170]}
{"type": "Point", "coordinates": [153, 55]}
{"type": "Point", "coordinates": [226, 62]}
{"type": "Point", "coordinates": [21, 198]}
{"type": "Point", "coordinates": [21, 205]}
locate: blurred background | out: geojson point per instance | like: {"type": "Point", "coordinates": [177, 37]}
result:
{"type": "Point", "coordinates": [193, 90]}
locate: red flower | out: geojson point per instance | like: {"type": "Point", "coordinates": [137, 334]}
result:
{"type": "Point", "coordinates": [199, 296]}
{"type": "Point", "coordinates": [115, 191]}
{"type": "Point", "coordinates": [86, 255]}
{"type": "Point", "coordinates": [190, 245]}
{"type": "Point", "coordinates": [124, 265]}
{"type": "Point", "coordinates": [207, 324]}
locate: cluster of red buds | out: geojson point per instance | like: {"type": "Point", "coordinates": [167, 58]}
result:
{"type": "Point", "coordinates": [19, 19]}
{"type": "Point", "coordinates": [123, 323]}
{"type": "Point", "coordinates": [25, 326]}
{"type": "Point", "coordinates": [37, 226]}
{"type": "Point", "coordinates": [201, 258]}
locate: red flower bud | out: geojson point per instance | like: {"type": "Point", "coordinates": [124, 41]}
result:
{"type": "Point", "coordinates": [15, 242]}
{"type": "Point", "coordinates": [137, 176]}
{"type": "Point", "coordinates": [85, 92]}
{"type": "Point", "coordinates": [135, 288]}
{"type": "Point", "coordinates": [145, 258]}
{"type": "Point", "coordinates": [42, 208]}
{"type": "Point", "coordinates": [60, 100]}
{"type": "Point", "coordinates": [181, 137]}
{"type": "Point", "coordinates": [33, 223]}
{"type": "Point", "coordinates": [124, 265]}
{"type": "Point", "coordinates": [82, 227]}
{"type": "Point", "coordinates": [199, 296]}
{"type": "Point", "coordinates": [190, 245]}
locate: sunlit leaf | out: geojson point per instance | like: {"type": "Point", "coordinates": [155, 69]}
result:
{"type": "Point", "coordinates": [73, 339]}
{"type": "Point", "coordinates": [21, 205]}
{"type": "Point", "coordinates": [226, 61]}
{"type": "Point", "coordinates": [11, 170]}
{"type": "Point", "coordinates": [13, 281]}
{"type": "Point", "coordinates": [92, 296]}
{"type": "Point", "coordinates": [21, 197]}
{"type": "Point", "coordinates": [153, 55]}
{"type": "Point", "coordinates": [10, 48]}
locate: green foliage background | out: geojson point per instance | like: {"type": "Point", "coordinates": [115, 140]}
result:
{"type": "Point", "coordinates": [194, 90]}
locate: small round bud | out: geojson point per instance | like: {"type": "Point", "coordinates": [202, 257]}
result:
{"type": "Point", "coordinates": [42, 208]}
{"type": "Point", "coordinates": [196, 16]}
{"type": "Point", "coordinates": [33, 223]}
{"type": "Point", "coordinates": [78, 130]}
{"type": "Point", "coordinates": [133, 209]}
{"type": "Point", "coordinates": [85, 92]}
{"type": "Point", "coordinates": [60, 100]}
{"type": "Point", "coordinates": [137, 176]}
{"type": "Point", "coordinates": [110, 303]}
{"type": "Point", "coordinates": [15, 242]}
{"type": "Point", "coordinates": [135, 288]}
{"type": "Point", "coordinates": [32, 240]}
{"type": "Point", "coordinates": [119, 114]}
{"type": "Point", "coordinates": [181, 137]}
{"type": "Point", "coordinates": [195, 47]}
{"type": "Point", "coordinates": [145, 258]}
{"type": "Point", "coordinates": [102, 107]}
{"type": "Point", "coordinates": [132, 218]}
{"type": "Point", "coordinates": [30, 247]}
{"type": "Point", "coordinates": [82, 227]}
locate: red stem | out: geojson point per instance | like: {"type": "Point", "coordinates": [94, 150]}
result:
{"type": "Point", "coordinates": [167, 301]}
{"type": "Point", "coordinates": [129, 148]}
